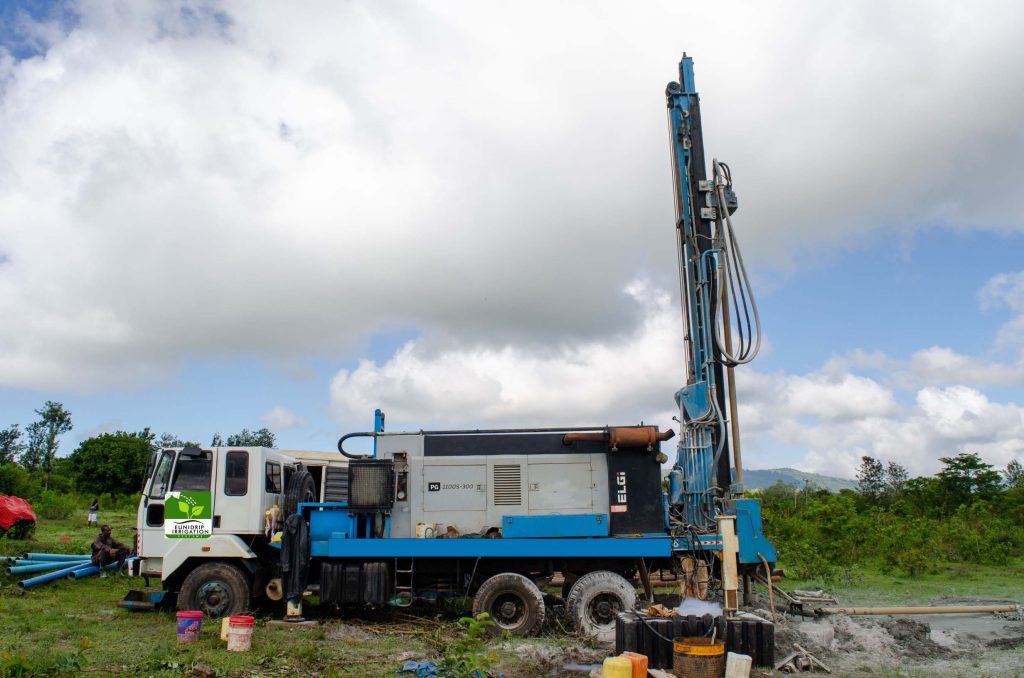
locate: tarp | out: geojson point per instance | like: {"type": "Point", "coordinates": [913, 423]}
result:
{"type": "Point", "coordinates": [13, 509]}
{"type": "Point", "coordinates": [295, 557]}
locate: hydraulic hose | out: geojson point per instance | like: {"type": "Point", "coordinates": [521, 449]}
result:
{"type": "Point", "coordinates": [360, 434]}
{"type": "Point", "coordinates": [733, 280]}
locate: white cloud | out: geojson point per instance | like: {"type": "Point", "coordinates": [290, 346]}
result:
{"type": "Point", "coordinates": [178, 182]}
{"type": "Point", "coordinates": [831, 416]}
{"type": "Point", "coordinates": [1007, 289]}
{"type": "Point", "coordinates": [281, 418]}
{"type": "Point", "coordinates": [942, 422]}
{"type": "Point", "coordinates": [620, 380]}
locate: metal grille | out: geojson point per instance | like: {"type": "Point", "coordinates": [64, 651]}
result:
{"type": "Point", "coordinates": [508, 485]}
{"type": "Point", "coordinates": [371, 484]}
{"type": "Point", "coordinates": [336, 484]}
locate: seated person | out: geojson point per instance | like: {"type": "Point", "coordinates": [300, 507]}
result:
{"type": "Point", "coordinates": [107, 550]}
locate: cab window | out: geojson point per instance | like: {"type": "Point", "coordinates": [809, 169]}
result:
{"type": "Point", "coordinates": [236, 473]}
{"type": "Point", "coordinates": [192, 474]}
{"type": "Point", "coordinates": [162, 476]}
{"type": "Point", "coordinates": [273, 477]}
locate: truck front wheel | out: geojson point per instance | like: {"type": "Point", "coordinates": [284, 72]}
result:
{"type": "Point", "coordinates": [514, 603]}
{"type": "Point", "coordinates": [217, 589]}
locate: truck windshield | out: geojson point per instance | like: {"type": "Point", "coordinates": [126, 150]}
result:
{"type": "Point", "coordinates": [162, 475]}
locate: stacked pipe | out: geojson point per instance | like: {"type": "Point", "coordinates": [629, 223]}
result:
{"type": "Point", "coordinates": [41, 562]}
{"type": "Point", "coordinates": [53, 566]}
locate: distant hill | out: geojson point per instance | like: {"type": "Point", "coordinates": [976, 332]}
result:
{"type": "Point", "coordinates": [755, 479]}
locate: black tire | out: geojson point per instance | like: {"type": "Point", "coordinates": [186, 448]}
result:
{"type": "Point", "coordinates": [514, 603]}
{"type": "Point", "coordinates": [594, 601]}
{"type": "Point", "coordinates": [301, 489]}
{"type": "Point", "coordinates": [217, 589]}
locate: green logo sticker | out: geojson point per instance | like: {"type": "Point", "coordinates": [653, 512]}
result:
{"type": "Point", "coordinates": [188, 515]}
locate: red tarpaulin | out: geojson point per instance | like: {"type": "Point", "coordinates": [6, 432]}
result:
{"type": "Point", "coordinates": [13, 509]}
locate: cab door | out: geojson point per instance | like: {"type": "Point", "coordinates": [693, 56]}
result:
{"type": "Point", "coordinates": [174, 471]}
{"type": "Point", "coordinates": [236, 502]}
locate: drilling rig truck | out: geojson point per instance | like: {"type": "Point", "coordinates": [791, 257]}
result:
{"type": "Point", "coordinates": [493, 514]}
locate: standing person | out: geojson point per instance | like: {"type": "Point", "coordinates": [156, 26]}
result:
{"type": "Point", "coordinates": [94, 512]}
{"type": "Point", "coordinates": [106, 550]}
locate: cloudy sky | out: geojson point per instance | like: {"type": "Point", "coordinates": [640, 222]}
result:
{"type": "Point", "coordinates": [217, 215]}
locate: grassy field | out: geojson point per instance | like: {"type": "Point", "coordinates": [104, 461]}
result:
{"type": "Point", "coordinates": [46, 627]}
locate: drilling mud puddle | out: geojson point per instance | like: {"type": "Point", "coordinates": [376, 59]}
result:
{"type": "Point", "coordinates": [916, 645]}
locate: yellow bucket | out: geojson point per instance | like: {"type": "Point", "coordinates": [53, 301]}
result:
{"type": "Point", "coordinates": [698, 657]}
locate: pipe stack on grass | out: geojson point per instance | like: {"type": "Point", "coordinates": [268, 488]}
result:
{"type": "Point", "coordinates": [89, 569]}
{"type": "Point", "coordinates": [41, 562]}
{"type": "Point", "coordinates": [34, 566]}
{"type": "Point", "coordinates": [51, 576]}
{"type": "Point", "coordinates": [53, 565]}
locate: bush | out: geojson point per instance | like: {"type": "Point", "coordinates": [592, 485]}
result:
{"type": "Point", "coordinates": [54, 506]}
{"type": "Point", "coordinates": [59, 483]}
{"type": "Point", "coordinates": [21, 530]}
{"type": "Point", "coordinates": [15, 481]}
{"type": "Point", "coordinates": [114, 502]}
{"type": "Point", "coordinates": [978, 534]}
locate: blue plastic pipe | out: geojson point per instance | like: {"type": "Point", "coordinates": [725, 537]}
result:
{"type": "Point", "coordinates": [24, 561]}
{"type": "Point", "coordinates": [88, 570]}
{"type": "Point", "coordinates": [56, 556]}
{"type": "Point", "coordinates": [49, 576]}
{"type": "Point", "coordinates": [43, 567]}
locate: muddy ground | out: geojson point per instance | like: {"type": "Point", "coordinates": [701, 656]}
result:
{"type": "Point", "coordinates": [925, 645]}
{"type": "Point", "coordinates": [975, 645]}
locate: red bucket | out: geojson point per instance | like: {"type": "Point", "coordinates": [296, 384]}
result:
{"type": "Point", "coordinates": [189, 623]}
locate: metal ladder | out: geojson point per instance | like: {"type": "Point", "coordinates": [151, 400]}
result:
{"type": "Point", "coordinates": [404, 577]}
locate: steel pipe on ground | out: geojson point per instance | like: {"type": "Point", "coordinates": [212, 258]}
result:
{"type": "Point", "coordinates": [948, 609]}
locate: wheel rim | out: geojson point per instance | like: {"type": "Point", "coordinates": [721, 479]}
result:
{"type": "Point", "coordinates": [508, 610]}
{"type": "Point", "coordinates": [602, 609]}
{"type": "Point", "coordinates": [214, 598]}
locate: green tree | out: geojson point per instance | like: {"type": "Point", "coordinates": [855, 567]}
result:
{"type": "Point", "coordinates": [261, 438]}
{"type": "Point", "coordinates": [10, 448]}
{"type": "Point", "coordinates": [966, 477]}
{"type": "Point", "coordinates": [171, 440]}
{"type": "Point", "coordinates": [112, 462]}
{"type": "Point", "coordinates": [1014, 474]}
{"type": "Point", "coordinates": [895, 479]}
{"type": "Point", "coordinates": [871, 479]}
{"type": "Point", "coordinates": [14, 480]}
{"type": "Point", "coordinates": [44, 438]}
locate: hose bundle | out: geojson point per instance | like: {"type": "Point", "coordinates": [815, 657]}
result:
{"type": "Point", "coordinates": [733, 283]}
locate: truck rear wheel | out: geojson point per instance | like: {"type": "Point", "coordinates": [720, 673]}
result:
{"type": "Point", "coordinates": [514, 603]}
{"type": "Point", "coordinates": [594, 601]}
{"type": "Point", "coordinates": [217, 589]}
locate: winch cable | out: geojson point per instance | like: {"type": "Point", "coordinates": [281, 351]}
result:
{"type": "Point", "coordinates": [732, 272]}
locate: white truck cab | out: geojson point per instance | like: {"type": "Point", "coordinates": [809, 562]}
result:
{"type": "Point", "coordinates": [220, 573]}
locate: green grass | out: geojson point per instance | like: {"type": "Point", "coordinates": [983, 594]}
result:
{"type": "Point", "coordinates": [49, 622]}
{"type": "Point", "coordinates": [954, 582]}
